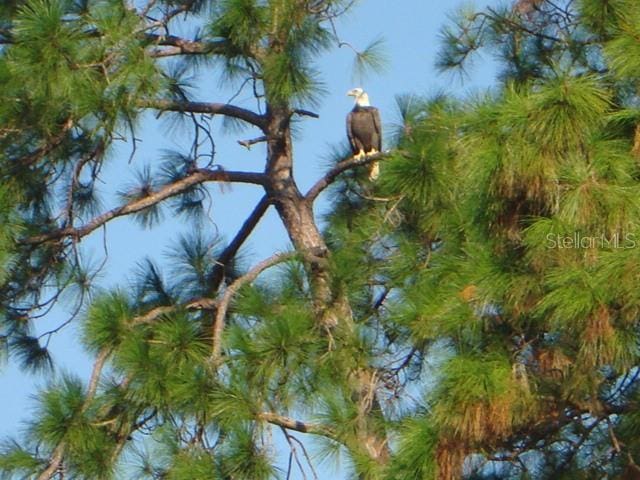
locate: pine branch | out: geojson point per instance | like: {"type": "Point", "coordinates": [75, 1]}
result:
{"type": "Point", "coordinates": [296, 425]}
{"type": "Point", "coordinates": [218, 274]}
{"type": "Point", "coordinates": [232, 249]}
{"type": "Point", "coordinates": [223, 306]}
{"type": "Point", "coordinates": [339, 168]}
{"type": "Point", "coordinates": [154, 313]}
{"type": "Point", "coordinates": [48, 147]}
{"type": "Point", "coordinates": [247, 143]}
{"type": "Point", "coordinates": [193, 304]}
{"type": "Point", "coordinates": [181, 46]}
{"type": "Point", "coordinates": [226, 109]}
{"type": "Point", "coordinates": [54, 463]}
{"type": "Point", "coordinates": [306, 113]}
{"type": "Point", "coordinates": [170, 190]}
{"type": "Point", "coordinates": [58, 453]}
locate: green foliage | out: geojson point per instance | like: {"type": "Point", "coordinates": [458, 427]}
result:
{"type": "Point", "coordinates": [15, 460]}
{"type": "Point", "coordinates": [63, 416]}
{"type": "Point", "coordinates": [11, 228]}
{"type": "Point", "coordinates": [242, 22]}
{"type": "Point", "coordinates": [193, 463]}
{"type": "Point", "coordinates": [371, 59]}
{"type": "Point", "coordinates": [481, 398]}
{"type": "Point", "coordinates": [474, 326]}
{"type": "Point", "coordinates": [107, 321]}
{"type": "Point", "coordinates": [193, 261]}
{"type": "Point", "coordinates": [244, 460]}
{"type": "Point", "coordinates": [416, 451]}
{"type": "Point", "coordinates": [622, 27]}
{"type": "Point", "coordinates": [31, 354]}
{"type": "Point", "coordinates": [60, 409]}
{"type": "Point", "coordinates": [278, 40]}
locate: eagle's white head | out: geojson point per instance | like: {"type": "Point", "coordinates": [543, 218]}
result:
{"type": "Point", "coordinates": [362, 99]}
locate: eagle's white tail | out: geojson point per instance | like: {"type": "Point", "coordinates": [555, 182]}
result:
{"type": "Point", "coordinates": [374, 171]}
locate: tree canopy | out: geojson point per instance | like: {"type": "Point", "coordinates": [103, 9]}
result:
{"type": "Point", "coordinates": [473, 313]}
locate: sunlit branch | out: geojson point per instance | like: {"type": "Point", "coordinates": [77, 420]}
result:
{"type": "Point", "coordinates": [193, 304]}
{"type": "Point", "coordinates": [247, 143]}
{"type": "Point", "coordinates": [339, 168]}
{"type": "Point", "coordinates": [170, 190]}
{"type": "Point", "coordinates": [54, 463]}
{"type": "Point", "coordinates": [181, 46]}
{"type": "Point", "coordinates": [58, 453]}
{"type": "Point", "coordinates": [223, 306]}
{"type": "Point", "coordinates": [296, 425]}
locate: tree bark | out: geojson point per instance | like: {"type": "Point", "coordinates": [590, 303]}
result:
{"type": "Point", "coordinates": [296, 212]}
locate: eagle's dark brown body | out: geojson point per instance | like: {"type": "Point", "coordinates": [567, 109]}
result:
{"type": "Point", "coordinates": [364, 130]}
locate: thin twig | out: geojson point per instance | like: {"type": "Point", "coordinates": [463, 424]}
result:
{"type": "Point", "coordinates": [247, 143]}
{"type": "Point", "coordinates": [294, 453]}
{"type": "Point", "coordinates": [306, 113]}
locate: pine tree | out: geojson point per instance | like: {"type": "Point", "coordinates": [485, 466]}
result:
{"type": "Point", "coordinates": [472, 313]}
{"type": "Point", "coordinates": [206, 362]}
{"type": "Point", "coordinates": [525, 225]}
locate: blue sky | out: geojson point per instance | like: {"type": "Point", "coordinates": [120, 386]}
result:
{"type": "Point", "coordinates": [410, 32]}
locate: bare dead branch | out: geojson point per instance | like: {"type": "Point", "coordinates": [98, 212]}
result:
{"type": "Point", "coordinates": [226, 109]}
{"type": "Point", "coordinates": [170, 190]}
{"type": "Point", "coordinates": [294, 454]}
{"type": "Point", "coordinates": [306, 113]}
{"type": "Point", "coordinates": [247, 143]}
{"type": "Point", "coordinates": [305, 453]}
{"type": "Point", "coordinates": [232, 249]}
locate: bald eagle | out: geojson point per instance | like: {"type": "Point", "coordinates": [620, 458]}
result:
{"type": "Point", "coordinates": [364, 129]}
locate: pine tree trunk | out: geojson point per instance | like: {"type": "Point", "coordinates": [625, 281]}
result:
{"type": "Point", "coordinates": [297, 216]}
{"type": "Point", "coordinates": [296, 213]}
